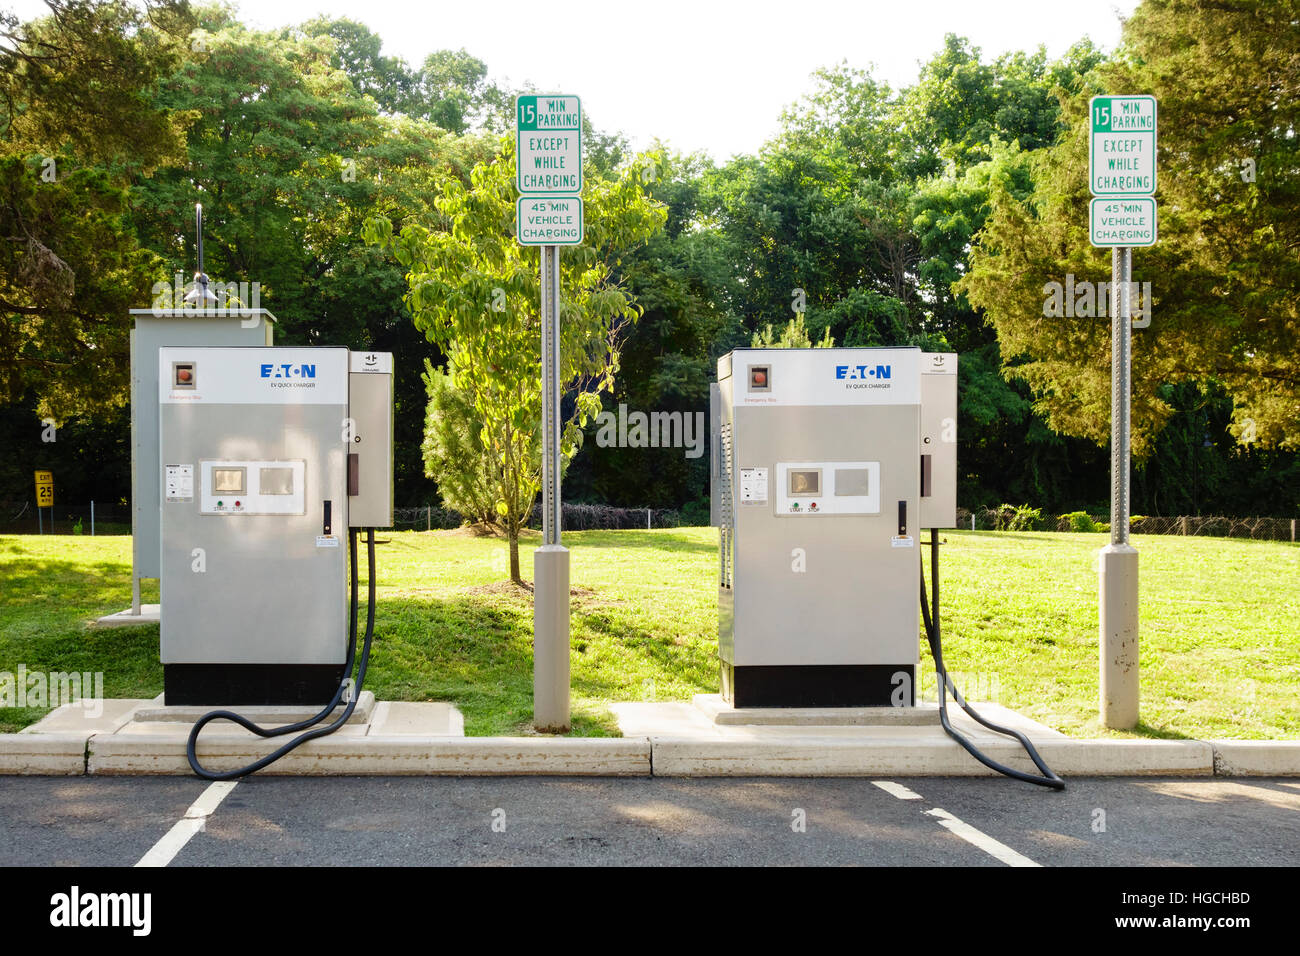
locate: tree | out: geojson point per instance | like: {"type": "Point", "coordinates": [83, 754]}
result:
{"type": "Point", "coordinates": [75, 125]}
{"type": "Point", "coordinates": [668, 358]}
{"type": "Point", "coordinates": [793, 336]}
{"type": "Point", "coordinates": [474, 292]}
{"type": "Point", "coordinates": [289, 160]}
{"type": "Point", "coordinates": [454, 454]}
{"type": "Point", "coordinates": [450, 89]}
{"type": "Point", "coordinates": [385, 79]}
{"type": "Point", "coordinates": [1227, 265]}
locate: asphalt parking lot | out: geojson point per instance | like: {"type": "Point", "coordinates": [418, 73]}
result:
{"type": "Point", "coordinates": [457, 821]}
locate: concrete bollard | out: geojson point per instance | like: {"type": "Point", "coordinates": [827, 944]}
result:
{"type": "Point", "coordinates": [1117, 569]}
{"type": "Point", "coordinates": [551, 639]}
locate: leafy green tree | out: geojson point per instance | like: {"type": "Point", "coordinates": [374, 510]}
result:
{"type": "Point", "coordinates": [454, 454]}
{"type": "Point", "coordinates": [452, 90]}
{"type": "Point", "coordinates": [1226, 268]}
{"type": "Point", "coordinates": [793, 336]}
{"type": "Point", "coordinates": [75, 125]}
{"type": "Point", "coordinates": [681, 279]}
{"type": "Point", "coordinates": [474, 292]}
{"type": "Point", "coordinates": [289, 160]}
{"type": "Point", "coordinates": [387, 80]}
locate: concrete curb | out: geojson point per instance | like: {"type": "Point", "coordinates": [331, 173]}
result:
{"type": "Point", "coordinates": [846, 757]}
{"type": "Point", "coordinates": [54, 753]}
{"type": "Point", "coordinates": [1256, 758]}
{"type": "Point", "coordinates": [550, 756]}
{"type": "Point", "coordinates": [379, 755]}
{"type": "Point", "coordinates": [657, 755]}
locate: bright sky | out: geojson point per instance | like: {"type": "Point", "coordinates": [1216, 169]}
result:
{"type": "Point", "coordinates": [699, 74]}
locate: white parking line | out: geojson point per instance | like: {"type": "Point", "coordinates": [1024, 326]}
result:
{"type": "Point", "coordinates": [195, 819]}
{"type": "Point", "coordinates": [897, 790]}
{"type": "Point", "coordinates": [999, 851]}
{"type": "Point", "coordinates": [992, 847]}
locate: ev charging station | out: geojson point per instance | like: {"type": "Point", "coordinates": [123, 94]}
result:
{"type": "Point", "coordinates": [828, 464]}
{"type": "Point", "coordinates": [267, 457]}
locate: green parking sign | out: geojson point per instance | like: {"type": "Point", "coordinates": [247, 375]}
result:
{"type": "Point", "coordinates": [548, 145]}
{"type": "Point", "coordinates": [1122, 146]}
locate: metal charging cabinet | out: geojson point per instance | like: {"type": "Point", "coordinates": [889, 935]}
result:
{"type": "Point", "coordinates": [155, 329]}
{"type": "Point", "coordinates": [818, 495]}
{"type": "Point", "coordinates": [256, 482]}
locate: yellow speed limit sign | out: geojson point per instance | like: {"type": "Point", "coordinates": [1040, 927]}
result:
{"type": "Point", "coordinates": [45, 489]}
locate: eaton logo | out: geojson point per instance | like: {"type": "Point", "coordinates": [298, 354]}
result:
{"type": "Point", "coordinates": [289, 371]}
{"type": "Point", "coordinates": [856, 372]}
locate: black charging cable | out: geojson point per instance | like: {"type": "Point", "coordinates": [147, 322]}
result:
{"type": "Point", "coordinates": [329, 708]}
{"type": "Point", "coordinates": [1049, 779]}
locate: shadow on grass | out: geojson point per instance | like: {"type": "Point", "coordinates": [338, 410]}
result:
{"type": "Point", "coordinates": [476, 652]}
{"type": "Point", "coordinates": [72, 586]}
{"type": "Point", "coordinates": [472, 650]}
{"type": "Point", "coordinates": [1143, 729]}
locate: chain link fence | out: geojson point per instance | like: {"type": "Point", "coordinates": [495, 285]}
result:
{"type": "Point", "coordinates": [576, 517]}
{"type": "Point", "coordinates": [1024, 518]}
{"type": "Point", "coordinates": [21, 517]}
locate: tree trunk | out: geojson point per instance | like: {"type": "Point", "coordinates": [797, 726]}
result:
{"type": "Point", "coordinates": [513, 531]}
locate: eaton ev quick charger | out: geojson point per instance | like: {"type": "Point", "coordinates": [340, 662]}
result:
{"type": "Point", "coordinates": [267, 457]}
{"type": "Point", "coordinates": [828, 462]}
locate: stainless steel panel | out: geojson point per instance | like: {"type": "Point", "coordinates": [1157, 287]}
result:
{"type": "Point", "coordinates": [715, 454]}
{"type": "Point", "coordinates": [370, 406]}
{"type": "Point", "coordinates": [855, 602]}
{"type": "Point", "coordinates": [939, 438]}
{"type": "Point", "coordinates": [269, 593]}
{"type": "Point", "coordinates": [151, 333]}
{"type": "Point", "coordinates": [726, 524]}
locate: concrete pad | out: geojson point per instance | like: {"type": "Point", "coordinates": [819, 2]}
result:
{"type": "Point", "coordinates": [564, 756]}
{"type": "Point", "coordinates": [48, 753]}
{"type": "Point", "coordinates": [721, 712]}
{"type": "Point", "coordinates": [1005, 716]}
{"type": "Point", "coordinates": [265, 715]}
{"type": "Point", "coordinates": [149, 614]}
{"type": "Point", "coordinates": [397, 718]}
{"type": "Point", "coordinates": [76, 719]}
{"type": "Point", "coordinates": [703, 718]}
{"type": "Point", "coordinates": [666, 719]}
{"type": "Point", "coordinates": [217, 728]}
{"type": "Point", "coordinates": [1256, 758]}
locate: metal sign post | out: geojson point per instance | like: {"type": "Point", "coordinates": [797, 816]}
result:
{"type": "Point", "coordinates": [551, 560]}
{"type": "Point", "coordinates": [1122, 172]}
{"type": "Point", "coordinates": [1118, 562]}
{"type": "Point", "coordinates": [548, 174]}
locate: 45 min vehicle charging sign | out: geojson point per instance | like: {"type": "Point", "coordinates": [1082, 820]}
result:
{"type": "Point", "coordinates": [548, 220]}
{"type": "Point", "coordinates": [1123, 222]}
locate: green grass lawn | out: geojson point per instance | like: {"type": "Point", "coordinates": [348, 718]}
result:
{"type": "Point", "coordinates": [1220, 635]}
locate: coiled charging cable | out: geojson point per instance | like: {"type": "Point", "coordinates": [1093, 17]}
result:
{"type": "Point", "coordinates": [329, 708]}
